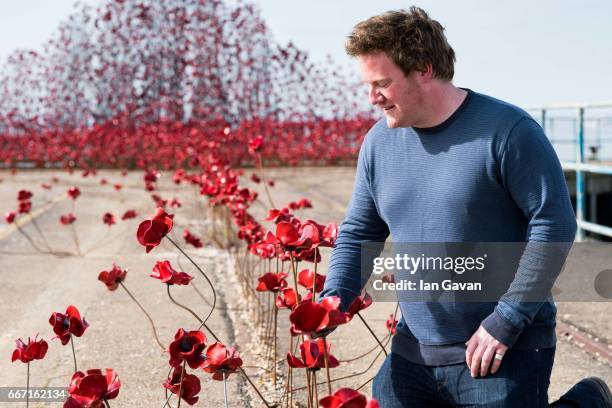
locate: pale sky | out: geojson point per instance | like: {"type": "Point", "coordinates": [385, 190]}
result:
{"type": "Point", "coordinates": [525, 52]}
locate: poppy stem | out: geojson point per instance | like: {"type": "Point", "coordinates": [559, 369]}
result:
{"type": "Point", "coordinates": [212, 287]}
{"type": "Point", "coordinates": [267, 326]}
{"type": "Point", "coordinates": [25, 234]}
{"type": "Point", "coordinates": [290, 387]}
{"type": "Point", "coordinates": [76, 239]}
{"type": "Point", "coordinates": [146, 314]}
{"type": "Point", "coordinates": [106, 403]}
{"type": "Point", "coordinates": [167, 404]}
{"type": "Point", "coordinates": [41, 234]}
{"type": "Point", "coordinates": [194, 314]}
{"type": "Point", "coordinates": [264, 181]}
{"type": "Point", "coordinates": [364, 384]}
{"type": "Point", "coordinates": [28, 386]}
{"type": "Point", "coordinates": [288, 382]}
{"type": "Point", "coordinates": [314, 279]}
{"type": "Point", "coordinates": [73, 354]}
{"type": "Point", "coordinates": [200, 294]}
{"type": "Point", "coordinates": [326, 358]}
{"type": "Point", "coordinates": [294, 272]}
{"type": "Point", "coordinates": [316, 388]}
{"type": "Point", "coordinates": [385, 340]}
{"type": "Point", "coordinates": [309, 386]}
{"type": "Point", "coordinates": [274, 340]}
{"type": "Point", "coordinates": [255, 388]}
{"type": "Point", "coordinates": [225, 388]}
{"type": "Point", "coordinates": [180, 391]}
{"type": "Point", "coordinates": [372, 333]}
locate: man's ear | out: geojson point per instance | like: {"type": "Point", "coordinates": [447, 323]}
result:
{"type": "Point", "coordinates": [426, 74]}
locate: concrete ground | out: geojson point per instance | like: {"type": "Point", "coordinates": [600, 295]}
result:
{"type": "Point", "coordinates": [119, 337]}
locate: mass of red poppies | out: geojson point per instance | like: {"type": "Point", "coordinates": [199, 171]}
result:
{"type": "Point", "coordinates": [159, 84]}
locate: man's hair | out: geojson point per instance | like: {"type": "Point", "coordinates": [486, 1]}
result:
{"type": "Point", "coordinates": [409, 37]}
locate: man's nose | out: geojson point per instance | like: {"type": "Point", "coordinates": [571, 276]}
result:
{"type": "Point", "coordinates": [375, 96]}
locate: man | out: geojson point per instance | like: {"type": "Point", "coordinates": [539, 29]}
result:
{"type": "Point", "coordinates": [447, 164]}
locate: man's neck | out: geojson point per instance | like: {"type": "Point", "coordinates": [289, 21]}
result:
{"type": "Point", "coordinates": [443, 100]}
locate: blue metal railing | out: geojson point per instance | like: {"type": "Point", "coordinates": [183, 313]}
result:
{"type": "Point", "coordinates": [598, 163]}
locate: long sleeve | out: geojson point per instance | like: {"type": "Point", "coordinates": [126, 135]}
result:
{"type": "Point", "coordinates": [362, 224]}
{"type": "Point", "coordinates": [532, 175]}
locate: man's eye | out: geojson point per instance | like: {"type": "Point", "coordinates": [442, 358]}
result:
{"type": "Point", "coordinates": [385, 84]}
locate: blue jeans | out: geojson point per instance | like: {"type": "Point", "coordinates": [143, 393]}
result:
{"type": "Point", "coordinates": [522, 381]}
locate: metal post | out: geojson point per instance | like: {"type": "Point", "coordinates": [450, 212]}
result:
{"type": "Point", "coordinates": [543, 120]}
{"type": "Point", "coordinates": [580, 193]}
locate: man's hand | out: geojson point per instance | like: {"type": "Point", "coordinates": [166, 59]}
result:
{"type": "Point", "coordinates": [482, 350]}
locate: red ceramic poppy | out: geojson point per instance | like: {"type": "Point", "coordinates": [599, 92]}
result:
{"type": "Point", "coordinates": [174, 202]}
{"type": "Point", "coordinates": [329, 235]}
{"type": "Point", "coordinates": [288, 299]}
{"type": "Point", "coordinates": [276, 215]}
{"type": "Point", "coordinates": [178, 176]}
{"type": "Point", "coordinates": [255, 144]}
{"type": "Point", "coordinates": [312, 255]}
{"type": "Point", "coordinates": [32, 350]}
{"type": "Point", "coordinates": [151, 232]}
{"type": "Point", "coordinates": [10, 216]}
{"type": "Point", "coordinates": [189, 347]}
{"type": "Point", "coordinates": [255, 178]}
{"type": "Point", "coordinates": [360, 303]}
{"type": "Point", "coordinates": [108, 219]}
{"type": "Point", "coordinates": [312, 356]}
{"type": "Point", "coordinates": [113, 277]}
{"type": "Point", "coordinates": [67, 324]}
{"type": "Point", "coordinates": [307, 279]}
{"type": "Point", "coordinates": [151, 176]}
{"type": "Point", "coordinates": [25, 207]}
{"type": "Point", "coordinates": [166, 273]}
{"type": "Point", "coordinates": [304, 203]}
{"type": "Point", "coordinates": [221, 360]}
{"type": "Point", "coordinates": [159, 202]}
{"type": "Point", "coordinates": [24, 195]}
{"type": "Point", "coordinates": [313, 234]}
{"type": "Point", "coordinates": [189, 388]}
{"type": "Point", "coordinates": [118, 186]}
{"type": "Point", "coordinates": [287, 234]}
{"type": "Point", "coordinates": [74, 193]}
{"type": "Point", "coordinates": [67, 219]}
{"type": "Point", "coordinates": [391, 324]}
{"type": "Point", "coordinates": [192, 239]}
{"type": "Point", "coordinates": [90, 389]}
{"type": "Point", "coordinates": [348, 398]}
{"type": "Point", "coordinates": [312, 317]}
{"type": "Point", "coordinates": [129, 214]}
{"type": "Point", "coordinates": [272, 282]}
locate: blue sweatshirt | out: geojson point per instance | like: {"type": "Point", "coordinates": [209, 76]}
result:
{"type": "Point", "coordinates": [486, 174]}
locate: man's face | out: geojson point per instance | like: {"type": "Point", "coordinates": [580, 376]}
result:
{"type": "Point", "coordinates": [398, 95]}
